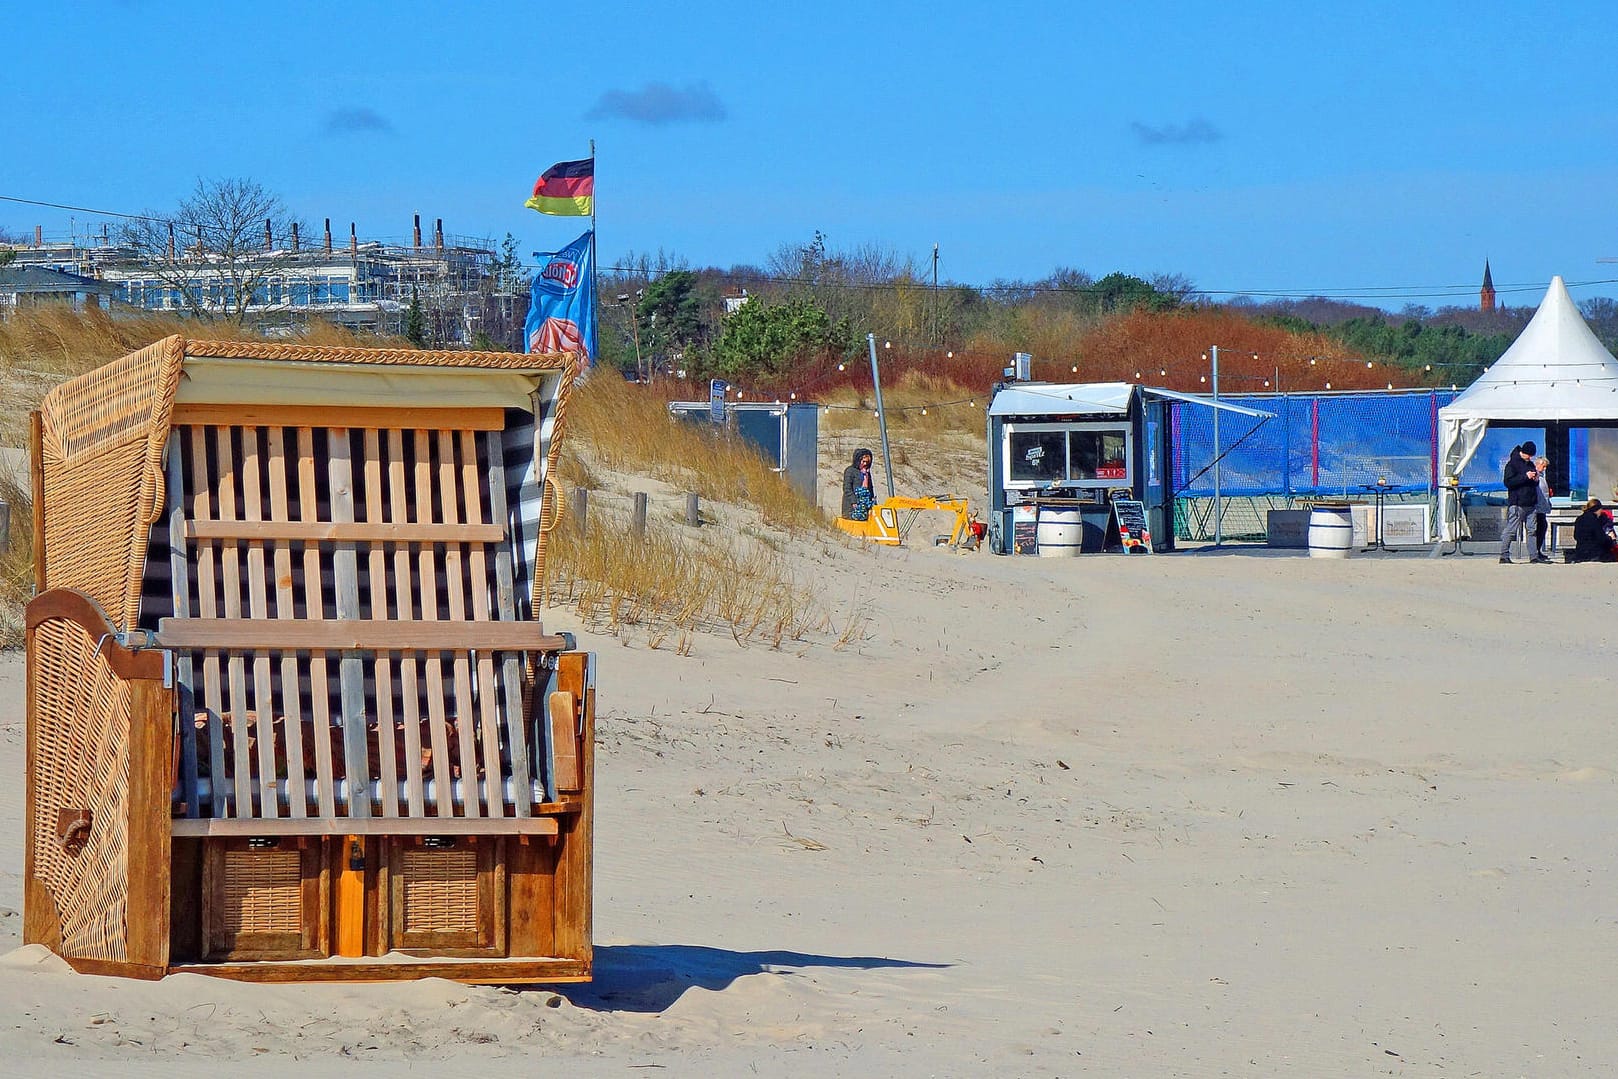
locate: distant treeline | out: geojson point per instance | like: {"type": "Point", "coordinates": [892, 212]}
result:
{"type": "Point", "coordinates": [809, 306]}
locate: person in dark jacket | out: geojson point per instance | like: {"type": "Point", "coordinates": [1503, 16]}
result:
{"type": "Point", "coordinates": [1592, 535]}
{"type": "Point", "coordinates": [1522, 496]}
{"type": "Point", "coordinates": [859, 489]}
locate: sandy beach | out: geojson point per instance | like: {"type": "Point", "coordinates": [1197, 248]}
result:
{"type": "Point", "coordinates": [1193, 814]}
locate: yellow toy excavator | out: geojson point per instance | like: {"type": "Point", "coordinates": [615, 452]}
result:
{"type": "Point", "coordinates": [889, 522]}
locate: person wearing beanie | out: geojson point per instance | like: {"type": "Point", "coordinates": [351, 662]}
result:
{"type": "Point", "coordinates": [1522, 496]}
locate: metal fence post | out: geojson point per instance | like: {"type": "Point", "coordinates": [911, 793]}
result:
{"type": "Point", "coordinates": [581, 506]}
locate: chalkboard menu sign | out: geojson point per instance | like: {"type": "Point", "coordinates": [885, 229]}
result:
{"type": "Point", "coordinates": [1025, 530]}
{"type": "Point", "coordinates": [1025, 537]}
{"type": "Point", "coordinates": [1133, 531]}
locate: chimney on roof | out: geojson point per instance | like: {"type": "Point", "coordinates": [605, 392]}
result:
{"type": "Point", "coordinates": [39, 235]}
{"type": "Point", "coordinates": [171, 241]}
{"type": "Point", "coordinates": [294, 235]}
{"type": "Point", "coordinates": [269, 239]}
{"type": "Point", "coordinates": [438, 234]}
{"type": "Point", "coordinates": [353, 240]}
{"type": "Point", "coordinates": [328, 235]}
{"type": "Point", "coordinates": [417, 233]}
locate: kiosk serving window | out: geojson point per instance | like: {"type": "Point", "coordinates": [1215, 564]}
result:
{"type": "Point", "coordinates": [1067, 454]}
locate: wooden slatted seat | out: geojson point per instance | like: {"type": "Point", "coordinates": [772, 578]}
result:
{"type": "Point", "coordinates": [336, 553]}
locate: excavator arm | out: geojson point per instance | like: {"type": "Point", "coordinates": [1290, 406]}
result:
{"type": "Point", "coordinates": [890, 521]}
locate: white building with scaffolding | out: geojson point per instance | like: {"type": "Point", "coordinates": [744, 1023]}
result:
{"type": "Point", "coordinates": [362, 285]}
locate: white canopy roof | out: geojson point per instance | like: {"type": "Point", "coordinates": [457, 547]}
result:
{"type": "Point", "coordinates": [1555, 370]}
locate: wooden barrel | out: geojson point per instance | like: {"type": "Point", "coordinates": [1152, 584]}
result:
{"type": "Point", "coordinates": [1331, 531]}
{"type": "Point", "coordinates": [1061, 532]}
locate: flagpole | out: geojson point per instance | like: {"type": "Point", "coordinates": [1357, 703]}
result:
{"type": "Point", "coordinates": [595, 293]}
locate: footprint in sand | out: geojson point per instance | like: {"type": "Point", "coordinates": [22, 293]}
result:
{"type": "Point", "coordinates": [1586, 775]}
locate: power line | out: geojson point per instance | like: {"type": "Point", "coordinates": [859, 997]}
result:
{"type": "Point", "coordinates": [1363, 292]}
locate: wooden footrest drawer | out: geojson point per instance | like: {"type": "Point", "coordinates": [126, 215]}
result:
{"type": "Point", "coordinates": [445, 895]}
{"type": "Point", "coordinates": [265, 898]}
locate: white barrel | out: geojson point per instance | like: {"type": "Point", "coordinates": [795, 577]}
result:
{"type": "Point", "coordinates": [1061, 532]}
{"type": "Point", "coordinates": [1331, 531]}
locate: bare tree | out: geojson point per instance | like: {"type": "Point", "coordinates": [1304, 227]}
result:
{"type": "Point", "coordinates": [218, 248]}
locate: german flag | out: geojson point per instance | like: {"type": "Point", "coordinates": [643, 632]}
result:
{"type": "Point", "coordinates": [566, 189]}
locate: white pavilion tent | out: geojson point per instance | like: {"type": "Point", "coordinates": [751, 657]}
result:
{"type": "Point", "coordinates": [1557, 371]}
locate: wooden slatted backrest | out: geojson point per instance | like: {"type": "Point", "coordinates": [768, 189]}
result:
{"type": "Point", "coordinates": [342, 587]}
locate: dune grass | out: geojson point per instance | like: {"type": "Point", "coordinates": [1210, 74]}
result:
{"type": "Point", "coordinates": [673, 587]}
{"type": "Point", "coordinates": [917, 405]}
{"type": "Point", "coordinates": [627, 428]}
{"type": "Point", "coordinates": [675, 582]}
{"type": "Point", "coordinates": [16, 561]}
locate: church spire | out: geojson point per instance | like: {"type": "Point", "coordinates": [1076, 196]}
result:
{"type": "Point", "coordinates": [1486, 294]}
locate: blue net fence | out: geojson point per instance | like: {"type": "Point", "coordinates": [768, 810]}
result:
{"type": "Point", "coordinates": [1324, 445]}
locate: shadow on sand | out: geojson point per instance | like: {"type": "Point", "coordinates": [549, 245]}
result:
{"type": "Point", "coordinates": [650, 977]}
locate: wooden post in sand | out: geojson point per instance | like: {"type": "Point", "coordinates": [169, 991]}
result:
{"type": "Point", "coordinates": [581, 505]}
{"type": "Point", "coordinates": [639, 523]}
{"type": "Point", "coordinates": [693, 510]}
{"type": "Point", "coordinates": [5, 526]}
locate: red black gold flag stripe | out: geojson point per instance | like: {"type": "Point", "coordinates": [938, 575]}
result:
{"type": "Point", "coordinates": [566, 189]}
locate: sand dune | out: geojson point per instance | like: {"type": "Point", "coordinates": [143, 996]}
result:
{"type": "Point", "coordinates": [1200, 814]}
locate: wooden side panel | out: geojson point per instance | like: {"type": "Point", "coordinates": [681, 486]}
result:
{"type": "Point", "coordinates": [532, 877]}
{"type": "Point", "coordinates": [575, 858]}
{"type": "Point", "coordinates": [151, 771]}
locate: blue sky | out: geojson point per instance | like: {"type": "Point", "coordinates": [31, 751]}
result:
{"type": "Point", "coordinates": [1298, 148]}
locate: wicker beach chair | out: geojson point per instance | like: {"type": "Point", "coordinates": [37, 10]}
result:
{"type": "Point", "coordinates": [290, 715]}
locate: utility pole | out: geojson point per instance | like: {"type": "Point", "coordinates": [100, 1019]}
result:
{"type": "Point", "coordinates": [881, 416]}
{"type": "Point", "coordinates": [1219, 506]}
{"type": "Point", "coordinates": [938, 335]}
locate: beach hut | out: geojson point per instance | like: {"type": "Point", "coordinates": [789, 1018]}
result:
{"type": "Point", "coordinates": [289, 713]}
{"type": "Point", "coordinates": [1557, 374]}
{"type": "Point", "coordinates": [1062, 456]}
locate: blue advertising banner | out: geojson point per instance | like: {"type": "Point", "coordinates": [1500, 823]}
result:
{"type": "Point", "coordinates": [717, 387]}
{"type": "Point", "coordinates": [562, 309]}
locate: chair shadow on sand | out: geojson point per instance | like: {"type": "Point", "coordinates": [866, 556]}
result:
{"type": "Point", "coordinates": [651, 977]}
